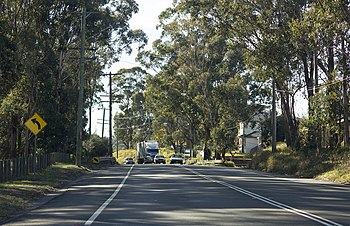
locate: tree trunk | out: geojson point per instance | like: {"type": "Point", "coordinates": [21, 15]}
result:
{"type": "Point", "coordinates": [318, 131]}
{"type": "Point", "coordinates": [19, 142]}
{"type": "Point", "coordinates": [334, 138]}
{"type": "Point", "coordinates": [345, 95]}
{"type": "Point", "coordinates": [308, 76]}
{"type": "Point", "coordinates": [314, 135]}
{"type": "Point", "coordinates": [291, 132]}
{"type": "Point", "coordinates": [13, 138]}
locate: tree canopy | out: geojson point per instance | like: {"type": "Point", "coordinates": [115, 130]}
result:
{"type": "Point", "coordinates": [212, 68]}
{"type": "Point", "coordinates": [216, 61]}
{"type": "Point", "coordinates": [39, 65]}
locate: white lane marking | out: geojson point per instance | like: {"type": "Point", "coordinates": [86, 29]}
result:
{"type": "Point", "coordinates": [310, 216]}
{"type": "Point", "coordinates": [106, 203]}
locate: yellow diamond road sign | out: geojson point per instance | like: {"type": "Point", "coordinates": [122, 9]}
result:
{"type": "Point", "coordinates": [35, 124]}
{"type": "Point", "coordinates": [95, 159]}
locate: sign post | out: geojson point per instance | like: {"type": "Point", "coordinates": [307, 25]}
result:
{"type": "Point", "coordinates": [35, 124]}
{"type": "Point", "coordinates": [34, 153]}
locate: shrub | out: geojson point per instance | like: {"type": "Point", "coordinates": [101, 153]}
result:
{"type": "Point", "coordinates": [284, 164]}
{"type": "Point", "coordinates": [95, 146]}
{"type": "Point", "coordinates": [124, 154]}
{"type": "Point", "coordinates": [285, 161]}
{"type": "Point", "coordinates": [229, 164]}
{"type": "Point", "coordinates": [259, 160]}
{"type": "Point", "coordinates": [305, 163]}
{"type": "Point", "coordinates": [341, 174]}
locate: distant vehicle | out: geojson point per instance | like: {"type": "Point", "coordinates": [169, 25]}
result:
{"type": "Point", "coordinates": [176, 158]}
{"type": "Point", "coordinates": [159, 159]}
{"type": "Point", "coordinates": [152, 148]}
{"type": "Point", "coordinates": [146, 148]}
{"type": "Point", "coordinates": [187, 154]}
{"type": "Point", "coordinates": [147, 160]}
{"type": "Point", "coordinates": [129, 161]}
{"type": "Point", "coordinates": [104, 160]}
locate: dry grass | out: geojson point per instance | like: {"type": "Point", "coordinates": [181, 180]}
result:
{"type": "Point", "coordinates": [17, 195]}
{"type": "Point", "coordinates": [340, 175]}
{"type": "Point", "coordinates": [286, 161]}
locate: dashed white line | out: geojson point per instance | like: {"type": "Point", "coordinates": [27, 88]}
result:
{"type": "Point", "coordinates": [106, 203]}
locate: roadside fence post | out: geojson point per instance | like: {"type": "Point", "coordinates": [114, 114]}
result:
{"type": "Point", "coordinates": [1, 171]}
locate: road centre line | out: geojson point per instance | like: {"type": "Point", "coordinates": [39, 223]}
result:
{"type": "Point", "coordinates": [302, 213]}
{"type": "Point", "coordinates": [106, 203]}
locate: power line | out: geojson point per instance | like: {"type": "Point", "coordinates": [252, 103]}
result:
{"type": "Point", "coordinates": [328, 84]}
{"type": "Point", "coordinates": [130, 117]}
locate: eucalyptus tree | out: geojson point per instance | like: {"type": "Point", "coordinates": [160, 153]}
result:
{"type": "Point", "coordinates": [198, 65]}
{"type": "Point", "coordinates": [300, 44]}
{"type": "Point", "coordinates": [20, 27]}
{"type": "Point", "coordinates": [263, 28]}
{"type": "Point", "coordinates": [322, 39]}
{"type": "Point", "coordinates": [128, 92]}
{"type": "Point", "coordinates": [8, 75]}
{"type": "Point", "coordinates": [8, 78]}
{"type": "Point", "coordinates": [42, 40]}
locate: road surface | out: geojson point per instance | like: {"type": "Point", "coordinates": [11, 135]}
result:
{"type": "Point", "coordinates": [193, 195]}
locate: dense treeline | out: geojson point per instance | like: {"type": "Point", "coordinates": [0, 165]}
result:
{"type": "Point", "coordinates": [216, 61]}
{"type": "Point", "coordinates": [39, 65]}
{"type": "Point", "coordinates": [212, 68]}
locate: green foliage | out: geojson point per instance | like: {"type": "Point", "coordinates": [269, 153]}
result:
{"type": "Point", "coordinates": [95, 146]}
{"type": "Point", "coordinates": [12, 112]}
{"type": "Point", "coordinates": [213, 64]}
{"type": "Point", "coordinates": [259, 160]}
{"type": "Point", "coordinates": [283, 164]}
{"type": "Point", "coordinates": [229, 164]}
{"type": "Point", "coordinates": [206, 45]}
{"type": "Point", "coordinates": [132, 122]}
{"type": "Point", "coordinates": [122, 154]}
{"type": "Point", "coordinates": [339, 175]}
{"type": "Point", "coordinates": [287, 161]}
{"type": "Point", "coordinates": [39, 52]}
{"type": "Point", "coordinates": [199, 92]}
{"type": "Point", "coordinates": [284, 161]}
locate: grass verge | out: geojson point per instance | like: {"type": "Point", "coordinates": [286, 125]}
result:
{"type": "Point", "coordinates": [286, 161]}
{"type": "Point", "coordinates": [340, 175]}
{"type": "Point", "coordinates": [16, 195]}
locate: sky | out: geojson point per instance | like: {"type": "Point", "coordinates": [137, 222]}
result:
{"type": "Point", "coordinates": [147, 20]}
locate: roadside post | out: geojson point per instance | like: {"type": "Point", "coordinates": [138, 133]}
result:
{"type": "Point", "coordinates": [35, 124]}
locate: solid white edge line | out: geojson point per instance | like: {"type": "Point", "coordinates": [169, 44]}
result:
{"type": "Point", "coordinates": [106, 203]}
{"type": "Point", "coordinates": [310, 216]}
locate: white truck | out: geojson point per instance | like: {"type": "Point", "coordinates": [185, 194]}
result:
{"type": "Point", "coordinates": [146, 150]}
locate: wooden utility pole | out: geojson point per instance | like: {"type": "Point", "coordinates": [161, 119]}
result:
{"type": "Point", "coordinates": [79, 133]}
{"type": "Point", "coordinates": [110, 149]}
{"type": "Point", "coordinates": [103, 122]}
{"type": "Point", "coordinates": [274, 119]}
{"type": "Point", "coordinates": [116, 134]}
{"type": "Point", "coordinates": [345, 95]}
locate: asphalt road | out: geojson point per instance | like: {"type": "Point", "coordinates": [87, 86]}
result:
{"type": "Point", "coordinates": [190, 195]}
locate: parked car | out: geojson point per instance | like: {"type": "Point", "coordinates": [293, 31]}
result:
{"type": "Point", "coordinates": [159, 159]}
{"type": "Point", "coordinates": [176, 158]}
{"type": "Point", "coordinates": [129, 160]}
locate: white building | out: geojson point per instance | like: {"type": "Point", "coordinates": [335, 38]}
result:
{"type": "Point", "coordinates": [249, 135]}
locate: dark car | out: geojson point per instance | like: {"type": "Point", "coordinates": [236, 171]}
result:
{"type": "Point", "coordinates": [159, 159]}
{"type": "Point", "coordinates": [129, 161]}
